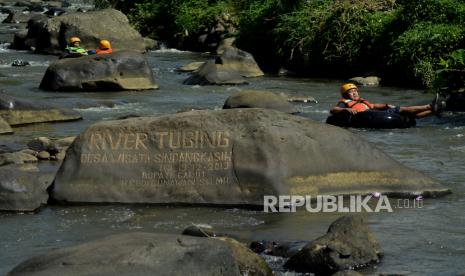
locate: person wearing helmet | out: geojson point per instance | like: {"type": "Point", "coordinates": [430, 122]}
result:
{"type": "Point", "coordinates": [352, 102]}
{"type": "Point", "coordinates": [74, 49]}
{"type": "Point", "coordinates": [104, 47]}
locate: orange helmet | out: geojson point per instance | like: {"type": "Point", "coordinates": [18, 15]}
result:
{"type": "Point", "coordinates": [104, 44]}
{"type": "Point", "coordinates": [346, 87]}
{"type": "Point", "coordinates": [74, 39]}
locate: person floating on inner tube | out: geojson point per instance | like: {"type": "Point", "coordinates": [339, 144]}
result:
{"type": "Point", "coordinates": [104, 47]}
{"type": "Point", "coordinates": [74, 49]}
{"type": "Point", "coordinates": [352, 102]}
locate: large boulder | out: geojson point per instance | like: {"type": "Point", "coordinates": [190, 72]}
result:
{"type": "Point", "coordinates": [23, 187]}
{"type": "Point", "coordinates": [20, 112]}
{"type": "Point", "coordinates": [147, 254]}
{"type": "Point", "coordinates": [51, 36]}
{"type": "Point", "coordinates": [211, 73]}
{"type": "Point", "coordinates": [259, 99]}
{"type": "Point", "coordinates": [348, 244]}
{"type": "Point", "coordinates": [234, 59]}
{"type": "Point", "coordinates": [233, 156]}
{"type": "Point", "coordinates": [231, 67]}
{"type": "Point", "coordinates": [123, 70]}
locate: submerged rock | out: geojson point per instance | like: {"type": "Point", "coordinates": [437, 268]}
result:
{"type": "Point", "coordinates": [5, 128]}
{"type": "Point", "coordinates": [23, 187]}
{"type": "Point", "coordinates": [259, 99]}
{"type": "Point", "coordinates": [123, 70]}
{"type": "Point", "coordinates": [148, 254]}
{"type": "Point", "coordinates": [20, 112]}
{"type": "Point", "coordinates": [348, 244]}
{"type": "Point", "coordinates": [191, 67]}
{"type": "Point", "coordinates": [233, 156]}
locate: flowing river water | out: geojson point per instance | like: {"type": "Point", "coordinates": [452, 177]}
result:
{"type": "Point", "coordinates": [416, 241]}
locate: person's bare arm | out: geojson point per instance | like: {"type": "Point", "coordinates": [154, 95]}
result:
{"type": "Point", "coordinates": [337, 109]}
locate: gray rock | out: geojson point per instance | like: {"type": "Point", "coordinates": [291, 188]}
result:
{"type": "Point", "coordinates": [43, 155]}
{"type": "Point", "coordinates": [18, 157]}
{"type": "Point", "coordinates": [211, 73]}
{"type": "Point", "coordinates": [259, 99]}
{"type": "Point", "coordinates": [233, 156]}
{"type": "Point", "coordinates": [5, 128]}
{"type": "Point", "coordinates": [23, 188]}
{"type": "Point", "coordinates": [234, 59]}
{"type": "Point", "coordinates": [191, 67]}
{"type": "Point", "coordinates": [348, 244]}
{"type": "Point", "coordinates": [229, 68]}
{"type": "Point", "coordinates": [51, 36]}
{"type": "Point", "coordinates": [367, 81]}
{"type": "Point", "coordinates": [148, 254]}
{"type": "Point", "coordinates": [197, 231]}
{"type": "Point", "coordinates": [20, 112]}
{"type": "Point", "coordinates": [123, 70]}
{"type": "Point", "coordinates": [41, 144]}
{"type": "Point", "coordinates": [285, 249]}
{"type": "Point", "coordinates": [224, 44]}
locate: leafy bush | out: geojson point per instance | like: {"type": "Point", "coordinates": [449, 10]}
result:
{"type": "Point", "coordinates": [451, 73]}
{"type": "Point", "coordinates": [417, 49]}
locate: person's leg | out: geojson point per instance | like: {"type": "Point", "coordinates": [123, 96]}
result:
{"type": "Point", "coordinates": [414, 110]}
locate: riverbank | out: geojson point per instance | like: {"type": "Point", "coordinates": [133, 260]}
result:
{"type": "Point", "coordinates": [400, 41]}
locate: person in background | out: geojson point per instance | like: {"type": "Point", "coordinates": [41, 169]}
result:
{"type": "Point", "coordinates": [74, 49]}
{"type": "Point", "coordinates": [352, 102]}
{"type": "Point", "coordinates": [104, 47]}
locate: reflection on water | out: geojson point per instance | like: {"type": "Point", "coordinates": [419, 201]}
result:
{"type": "Point", "coordinates": [417, 241]}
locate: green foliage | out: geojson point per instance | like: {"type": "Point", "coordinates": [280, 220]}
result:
{"type": "Point", "coordinates": [435, 11]}
{"type": "Point", "coordinates": [195, 15]}
{"type": "Point", "coordinates": [334, 32]}
{"type": "Point", "coordinates": [402, 38]}
{"type": "Point", "coordinates": [451, 72]}
{"type": "Point", "coordinates": [421, 46]}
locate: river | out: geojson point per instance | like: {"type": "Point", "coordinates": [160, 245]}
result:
{"type": "Point", "coordinates": [416, 241]}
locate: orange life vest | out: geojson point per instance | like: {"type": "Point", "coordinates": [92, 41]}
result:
{"type": "Point", "coordinates": [105, 51]}
{"type": "Point", "coordinates": [360, 105]}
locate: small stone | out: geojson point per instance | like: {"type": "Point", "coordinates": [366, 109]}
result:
{"type": "Point", "coordinates": [43, 155]}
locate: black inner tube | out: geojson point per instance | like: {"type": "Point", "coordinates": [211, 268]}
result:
{"type": "Point", "coordinates": [371, 119]}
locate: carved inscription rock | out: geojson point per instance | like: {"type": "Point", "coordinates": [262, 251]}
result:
{"type": "Point", "coordinates": [233, 156]}
{"type": "Point", "coordinates": [123, 70]}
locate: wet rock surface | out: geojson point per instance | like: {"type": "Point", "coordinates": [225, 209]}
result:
{"type": "Point", "coordinates": [349, 244]}
{"type": "Point", "coordinates": [123, 70]}
{"type": "Point", "coordinates": [23, 187]}
{"type": "Point", "coordinates": [259, 99]}
{"type": "Point", "coordinates": [231, 67]}
{"type": "Point", "coordinates": [147, 253]}
{"type": "Point", "coordinates": [231, 156]}
{"type": "Point", "coordinates": [20, 112]}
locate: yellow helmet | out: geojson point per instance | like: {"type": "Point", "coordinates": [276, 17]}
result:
{"type": "Point", "coordinates": [74, 39]}
{"type": "Point", "coordinates": [346, 87]}
{"type": "Point", "coordinates": [104, 44]}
